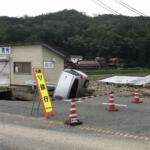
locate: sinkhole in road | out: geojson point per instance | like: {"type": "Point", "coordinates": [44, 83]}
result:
{"type": "Point", "coordinates": [7, 95]}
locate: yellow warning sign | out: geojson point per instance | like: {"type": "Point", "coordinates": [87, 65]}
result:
{"type": "Point", "coordinates": [43, 92]}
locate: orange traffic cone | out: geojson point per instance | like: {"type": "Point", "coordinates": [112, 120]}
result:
{"type": "Point", "coordinates": [73, 120]}
{"type": "Point", "coordinates": [136, 97]}
{"type": "Point", "coordinates": [111, 103]}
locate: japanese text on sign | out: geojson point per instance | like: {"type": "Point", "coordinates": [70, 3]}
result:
{"type": "Point", "coordinates": [5, 50]}
{"type": "Point", "coordinates": [43, 92]}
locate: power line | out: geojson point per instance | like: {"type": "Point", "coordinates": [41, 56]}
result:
{"type": "Point", "coordinates": [130, 8]}
{"type": "Point", "coordinates": [133, 8]}
{"type": "Point", "coordinates": [106, 7]}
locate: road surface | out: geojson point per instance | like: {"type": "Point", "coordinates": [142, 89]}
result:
{"type": "Point", "coordinates": [127, 129]}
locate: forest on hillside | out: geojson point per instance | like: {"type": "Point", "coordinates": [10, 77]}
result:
{"type": "Point", "coordinates": [75, 33]}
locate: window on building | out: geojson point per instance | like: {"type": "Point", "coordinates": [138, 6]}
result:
{"type": "Point", "coordinates": [22, 67]}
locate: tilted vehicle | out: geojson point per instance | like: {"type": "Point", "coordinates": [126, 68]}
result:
{"type": "Point", "coordinates": [71, 84]}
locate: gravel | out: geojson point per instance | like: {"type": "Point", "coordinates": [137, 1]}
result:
{"type": "Point", "coordinates": [99, 88]}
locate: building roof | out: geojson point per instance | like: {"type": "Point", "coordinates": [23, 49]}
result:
{"type": "Point", "coordinates": [54, 50]}
{"type": "Point", "coordinates": [76, 56]}
{"type": "Point", "coordinates": [34, 43]}
{"type": "Point", "coordinates": [88, 63]}
{"type": "Point", "coordinates": [100, 58]}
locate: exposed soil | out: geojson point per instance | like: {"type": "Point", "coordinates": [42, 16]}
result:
{"type": "Point", "coordinates": [99, 88]}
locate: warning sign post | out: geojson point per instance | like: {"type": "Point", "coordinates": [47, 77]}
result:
{"type": "Point", "coordinates": [43, 92]}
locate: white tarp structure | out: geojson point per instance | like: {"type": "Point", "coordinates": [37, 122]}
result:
{"type": "Point", "coordinates": [141, 80]}
{"type": "Point", "coordinates": [131, 80]}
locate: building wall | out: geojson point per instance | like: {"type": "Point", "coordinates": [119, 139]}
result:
{"type": "Point", "coordinates": [28, 53]}
{"type": "Point", "coordinates": [37, 55]}
{"type": "Point", "coordinates": [52, 74]}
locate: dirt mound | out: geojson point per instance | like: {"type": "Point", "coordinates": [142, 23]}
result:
{"type": "Point", "coordinates": [100, 88]}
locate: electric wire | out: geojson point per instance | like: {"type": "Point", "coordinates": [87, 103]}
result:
{"type": "Point", "coordinates": [103, 7]}
{"type": "Point", "coordinates": [106, 7]}
{"type": "Point", "coordinates": [133, 8]}
{"type": "Point", "coordinates": [130, 8]}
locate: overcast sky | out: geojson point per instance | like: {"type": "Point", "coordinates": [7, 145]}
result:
{"type": "Point", "coordinates": [19, 8]}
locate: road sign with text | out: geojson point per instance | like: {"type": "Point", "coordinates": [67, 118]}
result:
{"type": "Point", "coordinates": [43, 92]}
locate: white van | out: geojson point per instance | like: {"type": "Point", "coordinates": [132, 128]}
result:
{"type": "Point", "coordinates": [71, 84]}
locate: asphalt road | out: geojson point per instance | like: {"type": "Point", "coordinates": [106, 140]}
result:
{"type": "Point", "coordinates": [128, 128]}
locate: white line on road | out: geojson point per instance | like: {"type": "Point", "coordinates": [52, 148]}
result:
{"type": "Point", "coordinates": [116, 104]}
{"type": "Point", "coordinates": [70, 101]}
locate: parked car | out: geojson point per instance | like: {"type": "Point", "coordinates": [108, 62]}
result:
{"type": "Point", "coordinates": [72, 83]}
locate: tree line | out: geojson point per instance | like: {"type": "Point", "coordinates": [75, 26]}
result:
{"type": "Point", "coordinates": [75, 33]}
